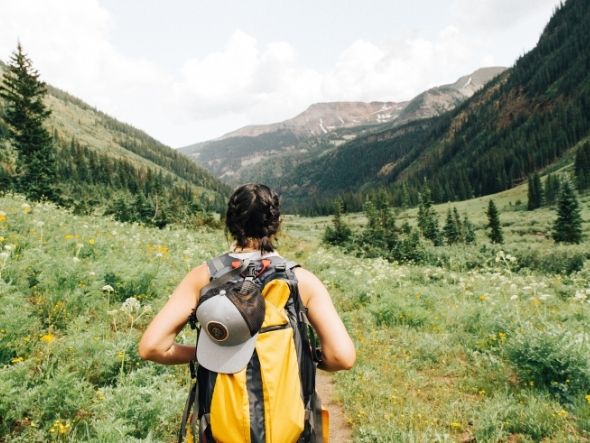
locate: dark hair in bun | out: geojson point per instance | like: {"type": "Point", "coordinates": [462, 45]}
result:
{"type": "Point", "coordinates": [253, 216]}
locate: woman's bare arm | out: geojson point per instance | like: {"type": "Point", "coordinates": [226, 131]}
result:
{"type": "Point", "coordinates": [157, 343]}
{"type": "Point", "coordinates": [337, 347]}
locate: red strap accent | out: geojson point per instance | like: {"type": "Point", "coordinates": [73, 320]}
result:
{"type": "Point", "coordinates": [265, 265]}
{"type": "Point", "coordinates": [236, 264]}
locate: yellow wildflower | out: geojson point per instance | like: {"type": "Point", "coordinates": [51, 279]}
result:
{"type": "Point", "coordinates": [587, 398]}
{"type": "Point", "coordinates": [3, 216]}
{"type": "Point", "coordinates": [483, 297]}
{"type": "Point", "coordinates": [502, 336]}
{"type": "Point", "coordinates": [60, 427]}
{"type": "Point", "coordinates": [91, 241]}
{"type": "Point", "coordinates": [100, 395]}
{"type": "Point", "coordinates": [535, 301]}
{"type": "Point", "coordinates": [121, 355]}
{"type": "Point", "coordinates": [456, 426]}
{"type": "Point", "coordinates": [16, 360]}
{"type": "Point", "coordinates": [26, 208]}
{"type": "Point", "coordinates": [158, 250]}
{"type": "Point", "coordinates": [562, 413]}
{"type": "Point", "coordinates": [48, 338]}
{"type": "Point", "coordinates": [68, 236]}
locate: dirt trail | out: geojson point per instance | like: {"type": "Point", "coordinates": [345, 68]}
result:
{"type": "Point", "coordinates": [340, 431]}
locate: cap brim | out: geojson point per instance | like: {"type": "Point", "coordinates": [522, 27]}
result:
{"type": "Point", "coordinates": [224, 359]}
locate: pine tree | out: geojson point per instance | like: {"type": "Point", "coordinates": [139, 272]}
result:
{"type": "Point", "coordinates": [567, 227]}
{"type": "Point", "coordinates": [495, 233]}
{"type": "Point", "coordinates": [388, 227]}
{"type": "Point", "coordinates": [469, 230]}
{"type": "Point", "coordinates": [535, 193]}
{"type": "Point", "coordinates": [427, 218]}
{"type": "Point", "coordinates": [25, 114]}
{"type": "Point", "coordinates": [451, 230]}
{"type": "Point", "coordinates": [340, 233]}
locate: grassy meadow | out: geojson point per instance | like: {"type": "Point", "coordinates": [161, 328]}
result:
{"type": "Point", "coordinates": [492, 345]}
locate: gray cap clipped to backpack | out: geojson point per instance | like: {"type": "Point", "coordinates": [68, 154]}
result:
{"type": "Point", "coordinates": [230, 317]}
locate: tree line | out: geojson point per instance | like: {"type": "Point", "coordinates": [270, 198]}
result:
{"type": "Point", "coordinates": [381, 237]}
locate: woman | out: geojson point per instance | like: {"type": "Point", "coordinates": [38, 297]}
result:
{"type": "Point", "coordinates": [249, 388]}
{"type": "Point", "coordinates": [253, 220]}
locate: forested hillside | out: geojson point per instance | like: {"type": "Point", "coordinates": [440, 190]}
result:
{"type": "Point", "coordinates": [523, 121]}
{"type": "Point", "coordinates": [104, 162]}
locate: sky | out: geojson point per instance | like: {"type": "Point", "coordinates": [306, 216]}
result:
{"type": "Point", "coordinates": [186, 71]}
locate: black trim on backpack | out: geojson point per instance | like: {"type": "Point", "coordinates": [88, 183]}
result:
{"type": "Point", "coordinates": [256, 399]}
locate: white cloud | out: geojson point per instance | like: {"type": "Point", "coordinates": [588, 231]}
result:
{"type": "Point", "coordinates": [244, 81]}
{"type": "Point", "coordinates": [399, 70]}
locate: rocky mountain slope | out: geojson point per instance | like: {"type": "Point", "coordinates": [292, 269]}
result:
{"type": "Point", "coordinates": [265, 152]}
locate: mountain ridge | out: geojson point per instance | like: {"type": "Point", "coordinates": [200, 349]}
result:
{"type": "Point", "coordinates": [320, 129]}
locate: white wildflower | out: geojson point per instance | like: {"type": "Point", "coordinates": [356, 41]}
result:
{"type": "Point", "coordinates": [544, 296]}
{"type": "Point", "coordinates": [9, 247]}
{"type": "Point", "coordinates": [130, 305]}
{"type": "Point", "coordinates": [514, 297]}
{"type": "Point", "coordinates": [76, 259]}
{"type": "Point", "coordinates": [4, 255]}
{"type": "Point", "coordinates": [108, 288]}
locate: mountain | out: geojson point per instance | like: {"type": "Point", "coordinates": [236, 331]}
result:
{"type": "Point", "coordinates": [440, 99]}
{"type": "Point", "coordinates": [99, 156]}
{"type": "Point", "coordinates": [528, 118]}
{"type": "Point", "coordinates": [266, 152]}
{"type": "Point", "coordinates": [321, 118]}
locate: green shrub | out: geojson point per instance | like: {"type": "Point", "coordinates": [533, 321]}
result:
{"type": "Point", "coordinates": [555, 360]}
{"type": "Point", "coordinates": [394, 312]}
{"type": "Point", "coordinates": [145, 405]}
{"type": "Point", "coordinates": [560, 261]}
{"type": "Point", "coordinates": [141, 285]}
{"type": "Point", "coordinates": [505, 415]}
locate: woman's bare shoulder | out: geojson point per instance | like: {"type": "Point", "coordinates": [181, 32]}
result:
{"type": "Point", "coordinates": [310, 286]}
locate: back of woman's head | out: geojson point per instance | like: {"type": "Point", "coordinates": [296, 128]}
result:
{"type": "Point", "coordinates": [253, 216]}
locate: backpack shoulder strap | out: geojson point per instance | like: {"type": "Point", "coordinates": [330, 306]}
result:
{"type": "Point", "coordinates": [219, 265]}
{"type": "Point", "coordinates": [292, 265]}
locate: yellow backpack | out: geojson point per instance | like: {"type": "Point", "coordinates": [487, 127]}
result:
{"type": "Point", "coordinates": [273, 399]}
